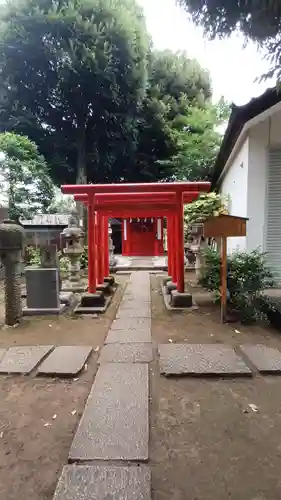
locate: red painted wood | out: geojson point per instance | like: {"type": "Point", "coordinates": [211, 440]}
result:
{"type": "Point", "coordinates": [141, 236]}
{"type": "Point", "coordinates": [142, 187]}
{"type": "Point", "coordinates": [91, 249]}
{"type": "Point", "coordinates": [180, 246]}
{"type": "Point", "coordinates": [99, 240]}
{"type": "Point", "coordinates": [139, 200]}
{"type": "Point", "coordinates": [105, 246]}
{"type": "Point", "coordinates": [173, 249]}
{"type": "Point", "coordinates": [188, 196]}
{"type": "Point", "coordinates": [169, 244]}
{"type": "Point", "coordinates": [162, 196]}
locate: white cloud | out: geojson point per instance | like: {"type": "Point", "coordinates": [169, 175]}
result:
{"type": "Point", "coordinates": [233, 68]}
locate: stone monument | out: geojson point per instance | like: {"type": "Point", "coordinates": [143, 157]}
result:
{"type": "Point", "coordinates": [42, 291]}
{"type": "Point", "coordinates": [49, 256]}
{"type": "Point", "coordinates": [11, 245]}
{"type": "Point", "coordinates": [43, 285]}
{"type": "Point", "coordinates": [73, 240]}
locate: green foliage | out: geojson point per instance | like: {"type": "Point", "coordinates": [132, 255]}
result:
{"type": "Point", "coordinates": [84, 258]}
{"type": "Point", "coordinates": [259, 20]}
{"type": "Point", "coordinates": [62, 205]}
{"type": "Point", "coordinates": [74, 74]}
{"type": "Point", "coordinates": [207, 205]}
{"type": "Point", "coordinates": [173, 75]}
{"type": "Point", "coordinates": [64, 262]}
{"type": "Point", "coordinates": [80, 79]}
{"type": "Point", "coordinates": [247, 277]}
{"type": "Point", "coordinates": [24, 177]}
{"type": "Point", "coordinates": [198, 140]}
{"type": "Point", "coordinates": [177, 135]}
{"type": "Point", "coordinates": [32, 256]}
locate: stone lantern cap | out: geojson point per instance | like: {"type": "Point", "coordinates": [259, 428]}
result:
{"type": "Point", "coordinates": [73, 231]}
{"type": "Point", "coordinates": [11, 235]}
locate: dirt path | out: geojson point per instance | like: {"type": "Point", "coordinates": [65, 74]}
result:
{"type": "Point", "coordinates": [32, 452]}
{"type": "Point", "coordinates": [206, 443]}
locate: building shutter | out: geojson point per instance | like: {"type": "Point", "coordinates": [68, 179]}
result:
{"type": "Point", "coordinates": [273, 232]}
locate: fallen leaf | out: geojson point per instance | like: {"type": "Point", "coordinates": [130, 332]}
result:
{"type": "Point", "coordinates": [54, 416]}
{"type": "Point", "coordinates": [73, 412]}
{"type": "Point", "coordinates": [253, 407]}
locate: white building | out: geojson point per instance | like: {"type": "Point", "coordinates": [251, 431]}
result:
{"type": "Point", "coordinates": [248, 171]}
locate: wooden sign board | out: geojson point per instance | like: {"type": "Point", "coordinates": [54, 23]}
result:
{"type": "Point", "coordinates": [224, 226]}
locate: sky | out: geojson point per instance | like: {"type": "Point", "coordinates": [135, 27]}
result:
{"type": "Point", "coordinates": [233, 68]}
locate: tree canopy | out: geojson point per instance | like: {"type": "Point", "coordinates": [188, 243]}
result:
{"type": "Point", "coordinates": [24, 177]}
{"type": "Point", "coordinates": [81, 79]}
{"type": "Point", "coordinates": [258, 20]}
{"type": "Point", "coordinates": [179, 88]}
{"type": "Point", "coordinates": [198, 139]}
{"type": "Point", "coordinates": [74, 73]}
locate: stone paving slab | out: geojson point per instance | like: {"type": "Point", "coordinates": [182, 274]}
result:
{"type": "Point", "coordinates": [65, 360]}
{"type": "Point", "coordinates": [134, 304]}
{"type": "Point", "coordinates": [2, 353]}
{"type": "Point", "coordinates": [200, 360]}
{"type": "Point", "coordinates": [98, 482]}
{"type": "Point", "coordinates": [133, 313]}
{"type": "Point", "coordinates": [128, 336]}
{"type": "Point", "coordinates": [265, 359]}
{"type": "Point", "coordinates": [126, 353]}
{"type": "Point", "coordinates": [114, 425]}
{"type": "Point", "coordinates": [138, 289]}
{"type": "Point", "coordinates": [23, 359]}
{"type": "Point", "coordinates": [131, 324]}
{"type": "Point", "coordinates": [131, 297]}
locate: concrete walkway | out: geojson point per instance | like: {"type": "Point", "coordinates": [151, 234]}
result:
{"type": "Point", "coordinates": [111, 442]}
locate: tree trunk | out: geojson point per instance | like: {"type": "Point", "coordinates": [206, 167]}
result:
{"type": "Point", "coordinates": [81, 177]}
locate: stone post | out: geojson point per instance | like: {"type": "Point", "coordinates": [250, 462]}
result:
{"type": "Point", "coordinates": [112, 259]}
{"type": "Point", "coordinates": [11, 245]}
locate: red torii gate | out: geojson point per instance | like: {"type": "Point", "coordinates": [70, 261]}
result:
{"type": "Point", "coordinates": [135, 200]}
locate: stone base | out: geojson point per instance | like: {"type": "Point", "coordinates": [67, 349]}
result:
{"type": "Point", "coordinates": [28, 311]}
{"type": "Point", "coordinates": [93, 303]}
{"type": "Point", "coordinates": [104, 288]}
{"type": "Point", "coordinates": [109, 279]}
{"type": "Point", "coordinates": [170, 286]}
{"type": "Point", "coordinates": [92, 299]}
{"type": "Point", "coordinates": [181, 299]}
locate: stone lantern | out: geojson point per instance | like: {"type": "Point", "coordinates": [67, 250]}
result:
{"type": "Point", "coordinates": [197, 245]}
{"type": "Point", "coordinates": [111, 247]}
{"type": "Point", "coordinates": [73, 239]}
{"type": "Point", "coordinates": [11, 245]}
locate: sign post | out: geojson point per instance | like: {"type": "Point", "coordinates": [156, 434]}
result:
{"type": "Point", "coordinates": [221, 227]}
